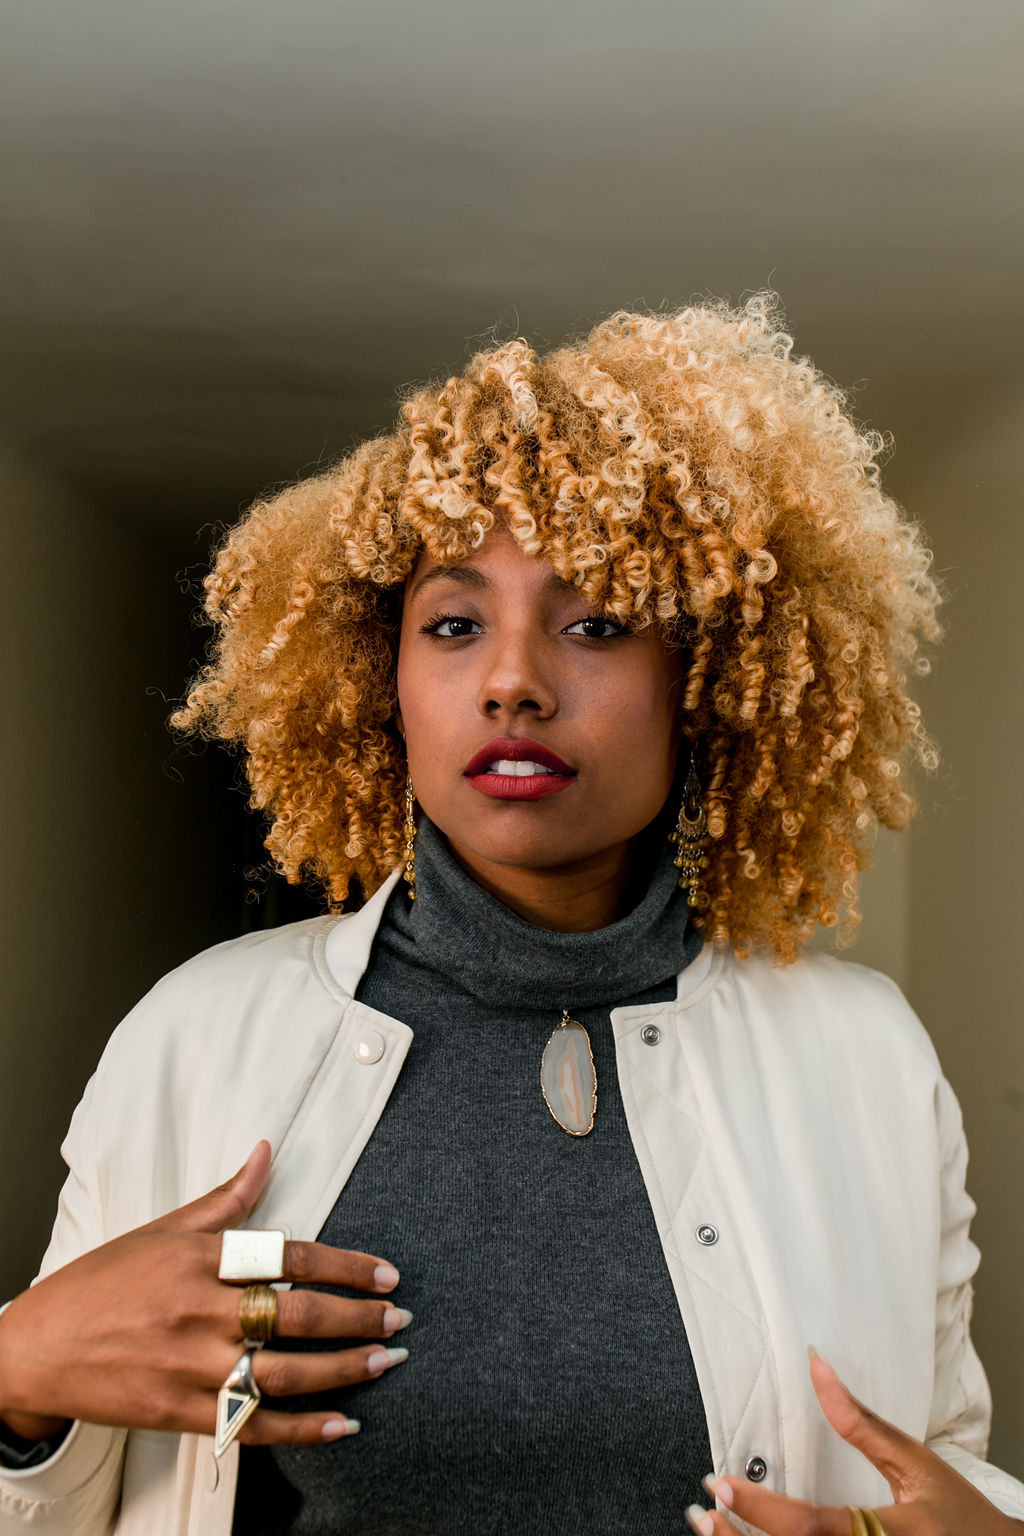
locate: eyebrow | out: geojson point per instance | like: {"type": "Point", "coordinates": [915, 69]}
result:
{"type": "Point", "coordinates": [469, 576]}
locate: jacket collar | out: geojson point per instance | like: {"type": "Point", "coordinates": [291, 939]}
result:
{"type": "Point", "coordinates": [348, 944]}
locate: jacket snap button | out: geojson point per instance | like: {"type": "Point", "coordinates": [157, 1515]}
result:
{"type": "Point", "coordinates": [756, 1469]}
{"type": "Point", "coordinates": [650, 1034]}
{"type": "Point", "coordinates": [707, 1234]}
{"type": "Point", "coordinates": [370, 1048]}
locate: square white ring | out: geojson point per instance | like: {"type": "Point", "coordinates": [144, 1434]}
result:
{"type": "Point", "coordinates": [251, 1255]}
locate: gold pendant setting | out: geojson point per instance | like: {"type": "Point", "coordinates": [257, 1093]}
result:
{"type": "Point", "coordinates": [568, 1077]}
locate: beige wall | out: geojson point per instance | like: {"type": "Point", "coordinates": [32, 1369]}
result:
{"type": "Point", "coordinates": [966, 977]}
{"type": "Point", "coordinates": [883, 938]}
{"type": "Point", "coordinates": [107, 879]}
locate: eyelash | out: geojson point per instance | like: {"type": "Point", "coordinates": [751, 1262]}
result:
{"type": "Point", "coordinates": [617, 629]}
{"type": "Point", "coordinates": [433, 626]}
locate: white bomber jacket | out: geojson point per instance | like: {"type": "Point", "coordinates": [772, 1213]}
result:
{"type": "Point", "coordinates": [797, 1118]}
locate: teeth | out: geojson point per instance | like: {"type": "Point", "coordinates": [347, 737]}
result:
{"type": "Point", "coordinates": [518, 770]}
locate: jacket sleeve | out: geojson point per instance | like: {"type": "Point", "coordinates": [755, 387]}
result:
{"type": "Point", "coordinates": [961, 1403]}
{"type": "Point", "coordinates": [76, 1492]}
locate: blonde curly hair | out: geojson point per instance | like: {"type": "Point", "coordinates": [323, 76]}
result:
{"type": "Point", "coordinates": [683, 470]}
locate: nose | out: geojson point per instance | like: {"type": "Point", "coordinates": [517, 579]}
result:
{"type": "Point", "coordinates": [518, 679]}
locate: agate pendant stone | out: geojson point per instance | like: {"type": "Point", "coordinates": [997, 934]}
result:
{"type": "Point", "coordinates": [568, 1080]}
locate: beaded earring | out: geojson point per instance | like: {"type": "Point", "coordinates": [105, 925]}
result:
{"type": "Point", "coordinates": [691, 837]}
{"type": "Point", "coordinates": [409, 873]}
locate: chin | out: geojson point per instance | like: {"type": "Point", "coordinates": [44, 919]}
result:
{"type": "Point", "coordinates": [537, 849]}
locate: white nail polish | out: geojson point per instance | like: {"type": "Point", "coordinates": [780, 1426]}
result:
{"type": "Point", "coordinates": [719, 1489]}
{"type": "Point", "coordinates": [701, 1520]}
{"type": "Point", "coordinates": [335, 1429]}
{"type": "Point", "coordinates": [396, 1318]}
{"type": "Point", "coordinates": [383, 1359]}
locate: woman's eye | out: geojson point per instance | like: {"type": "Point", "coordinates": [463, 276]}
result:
{"type": "Point", "coordinates": [451, 626]}
{"type": "Point", "coordinates": [594, 627]}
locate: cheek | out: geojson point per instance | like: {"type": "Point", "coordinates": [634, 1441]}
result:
{"type": "Point", "coordinates": [648, 738]}
{"type": "Point", "coordinates": [401, 688]}
{"type": "Point", "coordinates": [426, 710]}
{"type": "Point", "coordinates": [412, 688]}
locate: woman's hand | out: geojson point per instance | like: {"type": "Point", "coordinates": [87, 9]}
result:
{"type": "Point", "coordinates": [141, 1333]}
{"type": "Point", "coordinates": [930, 1498]}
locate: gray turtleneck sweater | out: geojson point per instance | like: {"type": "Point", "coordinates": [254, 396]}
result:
{"type": "Point", "coordinates": [550, 1387]}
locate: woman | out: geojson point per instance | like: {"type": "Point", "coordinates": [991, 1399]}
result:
{"type": "Point", "coordinates": [629, 625]}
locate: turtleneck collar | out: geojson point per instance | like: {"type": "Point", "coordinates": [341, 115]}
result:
{"type": "Point", "coordinates": [459, 930]}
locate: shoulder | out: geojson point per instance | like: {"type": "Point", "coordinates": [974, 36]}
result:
{"type": "Point", "coordinates": [838, 1000]}
{"type": "Point", "coordinates": [251, 959]}
{"type": "Point", "coordinates": [829, 1033]}
{"type": "Point", "coordinates": [218, 1054]}
{"type": "Point", "coordinates": [240, 988]}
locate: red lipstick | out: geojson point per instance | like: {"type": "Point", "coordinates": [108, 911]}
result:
{"type": "Point", "coordinates": [495, 770]}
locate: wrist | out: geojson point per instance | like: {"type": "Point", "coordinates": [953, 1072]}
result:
{"type": "Point", "coordinates": [21, 1420]}
{"type": "Point", "coordinates": [34, 1426]}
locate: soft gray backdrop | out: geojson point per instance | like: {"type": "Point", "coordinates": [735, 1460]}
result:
{"type": "Point", "coordinates": [230, 228]}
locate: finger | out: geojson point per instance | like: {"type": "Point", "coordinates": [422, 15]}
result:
{"type": "Point", "coordinates": [709, 1522]}
{"type": "Point", "coordinates": [902, 1460]}
{"type": "Point", "coordinates": [291, 1375]}
{"type": "Point", "coordinates": [312, 1315]}
{"type": "Point", "coordinates": [319, 1264]}
{"type": "Point", "coordinates": [269, 1428]}
{"type": "Point", "coordinates": [774, 1513]}
{"type": "Point", "coordinates": [227, 1205]}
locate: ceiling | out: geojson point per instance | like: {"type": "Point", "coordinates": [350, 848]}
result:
{"type": "Point", "coordinates": [231, 229]}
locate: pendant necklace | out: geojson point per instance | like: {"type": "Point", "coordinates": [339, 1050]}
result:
{"type": "Point", "coordinates": [568, 1078]}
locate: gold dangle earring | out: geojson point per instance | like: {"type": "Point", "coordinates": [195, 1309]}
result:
{"type": "Point", "coordinates": [691, 837]}
{"type": "Point", "coordinates": [409, 873]}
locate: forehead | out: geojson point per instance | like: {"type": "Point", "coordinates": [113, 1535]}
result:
{"type": "Point", "coordinates": [498, 564]}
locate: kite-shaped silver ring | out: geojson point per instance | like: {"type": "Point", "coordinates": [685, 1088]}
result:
{"type": "Point", "coordinates": [236, 1401]}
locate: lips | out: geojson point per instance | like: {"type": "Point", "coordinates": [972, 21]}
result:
{"type": "Point", "coordinates": [517, 749]}
{"type": "Point", "coordinates": [516, 768]}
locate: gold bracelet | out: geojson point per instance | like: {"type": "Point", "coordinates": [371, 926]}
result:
{"type": "Point", "coordinates": [864, 1522]}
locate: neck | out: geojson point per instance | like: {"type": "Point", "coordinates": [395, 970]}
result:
{"type": "Point", "coordinates": [573, 898]}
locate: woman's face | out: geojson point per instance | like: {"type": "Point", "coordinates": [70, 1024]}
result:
{"type": "Point", "coordinates": [539, 734]}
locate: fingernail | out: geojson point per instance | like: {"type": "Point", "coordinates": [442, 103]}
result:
{"type": "Point", "coordinates": [334, 1429]}
{"type": "Point", "coordinates": [384, 1359]}
{"type": "Point", "coordinates": [718, 1489]}
{"type": "Point", "coordinates": [812, 1354]}
{"type": "Point", "coordinates": [385, 1277]}
{"type": "Point", "coordinates": [396, 1318]}
{"type": "Point", "coordinates": [700, 1520]}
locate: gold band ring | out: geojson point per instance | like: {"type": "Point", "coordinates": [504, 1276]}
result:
{"type": "Point", "coordinates": [257, 1313]}
{"type": "Point", "coordinates": [864, 1522]}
